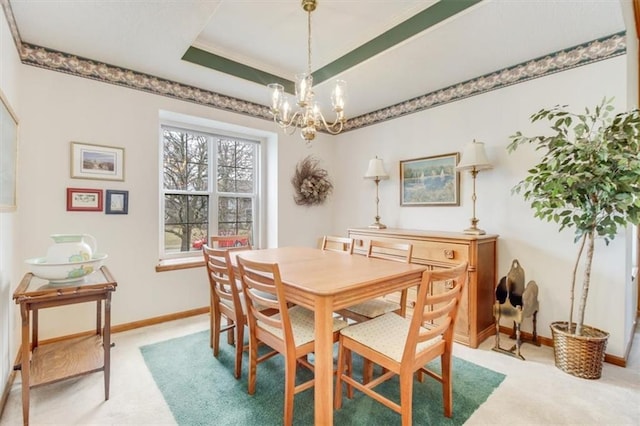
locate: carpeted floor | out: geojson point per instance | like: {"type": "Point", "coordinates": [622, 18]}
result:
{"type": "Point", "coordinates": [201, 389]}
{"type": "Point", "coordinates": [534, 392]}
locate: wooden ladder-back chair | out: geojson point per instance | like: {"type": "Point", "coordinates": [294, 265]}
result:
{"type": "Point", "coordinates": [399, 252]}
{"type": "Point", "coordinates": [339, 244]}
{"type": "Point", "coordinates": [404, 346]}
{"type": "Point", "coordinates": [228, 241]}
{"type": "Point", "coordinates": [289, 332]}
{"type": "Point", "coordinates": [225, 300]}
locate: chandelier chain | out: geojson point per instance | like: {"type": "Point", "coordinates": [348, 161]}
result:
{"type": "Point", "coordinates": [309, 42]}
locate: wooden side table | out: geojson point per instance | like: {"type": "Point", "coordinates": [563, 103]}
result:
{"type": "Point", "coordinates": [87, 353]}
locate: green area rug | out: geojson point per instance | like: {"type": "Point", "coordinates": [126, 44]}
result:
{"type": "Point", "coordinates": [201, 389]}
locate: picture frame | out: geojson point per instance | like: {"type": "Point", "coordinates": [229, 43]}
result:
{"type": "Point", "coordinates": [98, 162]}
{"type": "Point", "coordinates": [117, 202]}
{"type": "Point", "coordinates": [8, 155]}
{"type": "Point", "coordinates": [430, 181]}
{"type": "Point", "coordinates": [84, 199]}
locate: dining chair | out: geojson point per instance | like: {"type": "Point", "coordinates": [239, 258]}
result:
{"type": "Point", "coordinates": [399, 252]}
{"type": "Point", "coordinates": [339, 244]}
{"type": "Point", "coordinates": [404, 346]}
{"type": "Point", "coordinates": [225, 299]}
{"type": "Point", "coordinates": [226, 241]}
{"type": "Point", "coordinates": [290, 331]}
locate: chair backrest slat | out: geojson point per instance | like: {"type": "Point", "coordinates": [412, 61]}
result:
{"type": "Point", "coordinates": [436, 309]}
{"type": "Point", "coordinates": [229, 241]}
{"type": "Point", "coordinates": [399, 252]}
{"type": "Point", "coordinates": [260, 279]}
{"type": "Point", "coordinates": [339, 244]}
{"type": "Point", "coordinates": [221, 276]}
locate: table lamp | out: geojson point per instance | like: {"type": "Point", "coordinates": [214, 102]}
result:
{"type": "Point", "coordinates": [474, 159]}
{"type": "Point", "coordinates": [376, 172]}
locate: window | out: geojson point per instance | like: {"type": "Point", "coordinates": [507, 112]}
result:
{"type": "Point", "coordinates": [209, 186]}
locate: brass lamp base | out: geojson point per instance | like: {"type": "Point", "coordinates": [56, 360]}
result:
{"type": "Point", "coordinates": [377, 225]}
{"type": "Point", "coordinates": [474, 231]}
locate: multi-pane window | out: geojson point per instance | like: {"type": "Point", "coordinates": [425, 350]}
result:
{"type": "Point", "coordinates": [194, 205]}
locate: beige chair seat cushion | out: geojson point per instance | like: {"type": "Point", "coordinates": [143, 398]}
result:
{"type": "Point", "coordinates": [373, 308]}
{"type": "Point", "coordinates": [386, 334]}
{"type": "Point", "coordinates": [302, 325]}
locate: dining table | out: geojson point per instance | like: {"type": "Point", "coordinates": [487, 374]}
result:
{"type": "Point", "coordinates": [325, 282]}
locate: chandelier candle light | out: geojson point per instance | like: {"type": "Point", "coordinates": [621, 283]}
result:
{"type": "Point", "coordinates": [308, 117]}
{"type": "Point", "coordinates": [474, 159]}
{"type": "Point", "coordinates": [376, 172]}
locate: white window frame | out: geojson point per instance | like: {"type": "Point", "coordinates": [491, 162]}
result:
{"type": "Point", "coordinates": [212, 129]}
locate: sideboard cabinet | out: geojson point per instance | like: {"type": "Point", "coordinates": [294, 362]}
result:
{"type": "Point", "coordinates": [435, 249]}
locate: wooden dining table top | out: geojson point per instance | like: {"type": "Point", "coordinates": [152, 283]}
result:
{"type": "Point", "coordinates": [325, 272]}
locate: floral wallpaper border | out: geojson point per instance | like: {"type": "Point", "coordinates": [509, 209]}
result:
{"type": "Point", "coordinates": [587, 53]}
{"type": "Point", "coordinates": [596, 50]}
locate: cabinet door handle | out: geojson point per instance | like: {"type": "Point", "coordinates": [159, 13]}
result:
{"type": "Point", "coordinates": [449, 254]}
{"type": "Point", "coordinates": [449, 284]}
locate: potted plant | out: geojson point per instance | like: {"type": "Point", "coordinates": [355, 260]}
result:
{"type": "Point", "coordinates": [588, 179]}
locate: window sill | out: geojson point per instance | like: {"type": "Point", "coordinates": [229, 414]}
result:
{"type": "Point", "coordinates": [182, 263]}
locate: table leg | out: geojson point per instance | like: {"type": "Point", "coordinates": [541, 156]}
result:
{"type": "Point", "coordinates": [25, 362]}
{"type": "Point", "coordinates": [323, 392]}
{"type": "Point", "coordinates": [106, 343]}
{"type": "Point", "coordinates": [99, 317]}
{"type": "Point", "coordinates": [34, 329]}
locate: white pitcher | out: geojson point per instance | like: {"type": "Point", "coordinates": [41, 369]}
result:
{"type": "Point", "coordinates": [69, 248]}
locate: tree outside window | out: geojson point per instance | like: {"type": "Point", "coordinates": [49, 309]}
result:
{"type": "Point", "coordinates": [194, 206]}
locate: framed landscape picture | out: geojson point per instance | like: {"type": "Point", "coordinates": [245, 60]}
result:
{"type": "Point", "coordinates": [96, 162]}
{"type": "Point", "coordinates": [430, 181]}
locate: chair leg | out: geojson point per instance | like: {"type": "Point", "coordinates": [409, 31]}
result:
{"type": "Point", "coordinates": [230, 337]}
{"type": "Point", "coordinates": [406, 392]}
{"type": "Point", "coordinates": [253, 361]}
{"type": "Point", "coordinates": [211, 313]}
{"type": "Point", "coordinates": [289, 389]}
{"type": "Point", "coordinates": [239, 349]}
{"type": "Point", "coordinates": [447, 389]}
{"type": "Point", "coordinates": [340, 368]}
{"type": "Point", "coordinates": [349, 361]}
{"type": "Point", "coordinates": [367, 371]}
{"type": "Point", "coordinates": [216, 318]}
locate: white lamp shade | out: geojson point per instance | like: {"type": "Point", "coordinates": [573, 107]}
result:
{"type": "Point", "coordinates": [474, 156]}
{"type": "Point", "coordinates": [376, 170]}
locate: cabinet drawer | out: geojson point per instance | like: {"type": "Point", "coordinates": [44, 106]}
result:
{"type": "Point", "coordinates": [425, 252]}
{"type": "Point", "coordinates": [434, 252]}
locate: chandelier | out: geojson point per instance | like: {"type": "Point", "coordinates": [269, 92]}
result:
{"type": "Point", "coordinates": [307, 117]}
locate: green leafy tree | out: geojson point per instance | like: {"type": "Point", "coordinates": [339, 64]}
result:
{"type": "Point", "coordinates": [588, 179]}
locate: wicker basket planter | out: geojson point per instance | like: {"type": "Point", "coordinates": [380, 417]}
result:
{"type": "Point", "coordinates": [581, 356]}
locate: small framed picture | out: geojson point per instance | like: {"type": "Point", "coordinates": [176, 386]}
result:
{"type": "Point", "coordinates": [83, 199]}
{"type": "Point", "coordinates": [430, 181]}
{"type": "Point", "coordinates": [96, 162]}
{"type": "Point", "coordinates": [117, 202]}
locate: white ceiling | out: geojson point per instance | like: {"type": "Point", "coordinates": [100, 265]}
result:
{"type": "Point", "coordinates": [151, 36]}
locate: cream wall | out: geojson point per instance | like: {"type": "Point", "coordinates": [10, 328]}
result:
{"type": "Point", "coordinates": [9, 65]}
{"type": "Point", "coordinates": [545, 255]}
{"type": "Point", "coordinates": [60, 108]}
